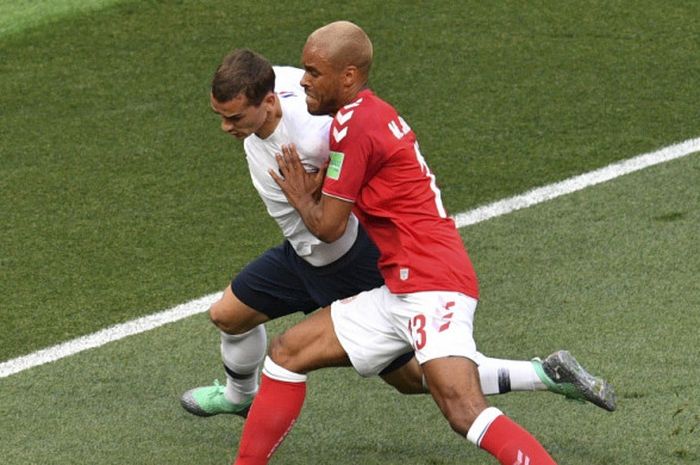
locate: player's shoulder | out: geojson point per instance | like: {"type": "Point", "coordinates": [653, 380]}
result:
{"type": "Point", "coordinates": [367, 109]}
{"type": "Point", "coordinates": [296, 115]}
{"type": "Point", "coordinates": [288, 80]}
{"type": "Point", "coordinates": [366, 115]}
{"type": "Point", "coordinates": [292, 96]}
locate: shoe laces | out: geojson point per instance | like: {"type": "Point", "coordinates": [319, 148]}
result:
{"type": "Point", "coordinates": [218, 391]}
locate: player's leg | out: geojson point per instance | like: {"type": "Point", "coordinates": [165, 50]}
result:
{"type": "Point", "coordinates": [500, 376]}
{"type": "Point", "coordinates": [497, 376]}
{"type": "Point", "coordinates": [243, 346]}
{"type": "Point", "coordinates": [441, 331]}
{"type": "Point", "coordinates": [267, 288]}
{"type": "Point", "coordinates": [559, 373]}
{"type": "Point", "coordinates": [454, 384]}
{"type": "Point", "coordinates": [327, 338]}
{"type": "Point", "coordinates": [357, 271]}
{"type": "Point", "coordinates": [307, 346]}
{"type": "Point", "coordinates": [407, 378]}
{"type": "Point", "coordinates": [353, 273]}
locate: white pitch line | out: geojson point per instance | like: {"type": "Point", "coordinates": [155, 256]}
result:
{"type": "Point", "coordinates": [576, 183]}
{"type": "Point", "coordinates": [104, 336]}
{"type": "Point", "coordinates": [477, 215]}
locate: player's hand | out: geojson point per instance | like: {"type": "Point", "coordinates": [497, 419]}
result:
{"type": "Point", "coordinates": [298, 186]}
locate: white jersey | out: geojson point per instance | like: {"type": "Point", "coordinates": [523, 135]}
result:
{"type": "Point", "coordinates": [310, 136]}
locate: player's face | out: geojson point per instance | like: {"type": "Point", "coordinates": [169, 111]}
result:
{"type": "Point", "coordinates": [238, 117]}
{"type": "Point", "coordinates": [322, 83]}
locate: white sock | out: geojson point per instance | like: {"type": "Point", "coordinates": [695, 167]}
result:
{"type": "Point", "coordinates": [280, 373]}
{"type": "Point", "coordinates": [242, 355]}
{"type": "Point", "coordinates": [481, 424]}
{"type": "Point", "coordinates": [500, 376]}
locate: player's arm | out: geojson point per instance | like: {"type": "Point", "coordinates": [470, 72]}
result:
{"type": "Point", "coordinates": [325, 217]}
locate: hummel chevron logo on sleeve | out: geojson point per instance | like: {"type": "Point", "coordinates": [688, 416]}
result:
{"type": "Point", "coordinates": [344, 118]}
{"type": "Point", "coordinates": [353, 105]}
{"type": "Point", "coordinates": [340, 135]}
{"type": "Point", "coordinates": [340, 132]}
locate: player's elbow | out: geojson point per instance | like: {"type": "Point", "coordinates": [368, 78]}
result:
{"type": "Point", "coordinates": [331, 232]}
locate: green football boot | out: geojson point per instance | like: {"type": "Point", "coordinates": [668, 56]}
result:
{"type": "Point", "coordinates": [207, 401]}
{"type": "Point", "coordinates": [561, 373]}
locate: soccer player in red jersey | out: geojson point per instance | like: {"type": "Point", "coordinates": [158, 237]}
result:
{"type": "Point", "coordinates": [427, 304]}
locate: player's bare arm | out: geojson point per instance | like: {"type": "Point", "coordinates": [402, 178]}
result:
{"type": "Point", "coordinates": [326, 217]}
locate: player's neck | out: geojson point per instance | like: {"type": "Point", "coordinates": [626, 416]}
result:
{"type": "Point", "coordinates": [273, 119]}
{"type": "Point", "coordinates": [349, 97]}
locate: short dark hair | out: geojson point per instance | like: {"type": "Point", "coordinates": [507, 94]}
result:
{"type": "Point", "coordinates": [243, 71]}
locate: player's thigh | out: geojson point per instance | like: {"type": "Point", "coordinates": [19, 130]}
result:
{"type": "Point", "coordinates": [438, 324]}
{"type": "Point", "coordinates": [233, 316]}
{"type": "Point", "coordinates": [309, 345]}
{"type": "Point", "coordinates": [273, 285]}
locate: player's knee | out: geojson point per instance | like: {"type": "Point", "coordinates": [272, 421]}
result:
{"type": "Point", "coordinates": [460, 420]}
{"type": "Point", "coordinates": [225, 320]}
{"type": "Point", "coordinates": [404, 384]}
{"type": "Point", "coordinates": [280, 352]}
{"type": "Point", "coordinates": [217, 317]}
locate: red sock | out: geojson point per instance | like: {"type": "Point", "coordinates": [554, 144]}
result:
{"type": "Point", "coordinates": [272, 415]}
{"type": "Point", "coordinates": [513, 445]}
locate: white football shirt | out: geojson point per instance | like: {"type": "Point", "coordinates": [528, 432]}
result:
{"type": "Point", "coordinates": [310, 136]}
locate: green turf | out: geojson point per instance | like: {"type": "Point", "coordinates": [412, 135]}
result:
{"type": "Point", "coordinates": [604, 272]}
{"type": "Point", "coordinates": [17, 16]}
{"type": "Point", "coordinates": [120, 197]}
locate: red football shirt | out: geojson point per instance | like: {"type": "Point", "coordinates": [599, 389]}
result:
{"type": "Point", "coordinates": [376, 163]}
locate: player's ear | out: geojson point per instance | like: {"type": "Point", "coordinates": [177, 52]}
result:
{"type": "Point", "coordinates": [269, 99]}
{"type": "Point", "coordinates": [351, 76]}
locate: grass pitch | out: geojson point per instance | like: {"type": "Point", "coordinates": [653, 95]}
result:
{"type": "Point", "coordinates": [121, 197]}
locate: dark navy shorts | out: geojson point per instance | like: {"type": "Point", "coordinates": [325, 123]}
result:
{"type": "Point", "coordinates": [280, 283]}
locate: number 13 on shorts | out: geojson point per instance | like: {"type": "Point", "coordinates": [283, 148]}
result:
{"type": "Point", "coordinates": [416, 326]}
{"type": "Point", "coordinates": [440, 325]}
{"type": "Point", "coordinates": [441, 321]}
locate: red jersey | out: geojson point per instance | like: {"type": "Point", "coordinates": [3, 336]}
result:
{"type": "Point", "coordinates": [376, 163]}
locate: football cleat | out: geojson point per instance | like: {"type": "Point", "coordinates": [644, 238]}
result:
{"type": "Point", "coordinates": [207, 401]}
{"type": "Point", "coordinates": [561, 373]}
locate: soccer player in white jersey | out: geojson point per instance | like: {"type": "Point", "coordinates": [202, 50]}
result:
{"type": "Point", "coordinates": [266, 108]}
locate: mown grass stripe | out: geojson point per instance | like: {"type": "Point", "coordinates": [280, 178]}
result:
{"type": "Point", "coordinates": [16, 16]}
{"type": "Point", "coordinates": [477, 215]}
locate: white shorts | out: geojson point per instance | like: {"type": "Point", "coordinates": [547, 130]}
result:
{"type": "Point", "coordinates": [375, 327]}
